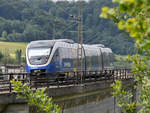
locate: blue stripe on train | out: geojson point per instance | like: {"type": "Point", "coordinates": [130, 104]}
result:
{"type": "Point", "coordinates": [55, 67]}
{"type": "Point", "coordinates": [49, 68]}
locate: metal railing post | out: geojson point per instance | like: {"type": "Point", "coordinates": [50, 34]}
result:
{"type": "Point", "coordinates": [23, 78]}
{"type": "Point", "coordinates": [113, 75]}
{"type": "Point", "coordinates": [125, 73]}
{"type": "Point", "coordinates": [10, 85]}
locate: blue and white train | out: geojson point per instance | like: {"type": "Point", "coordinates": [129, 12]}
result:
{"type": "Point", "coordinates": [51, 56]}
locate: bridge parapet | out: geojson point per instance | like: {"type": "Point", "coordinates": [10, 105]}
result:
{"type": "Point", "coordinates": [48, 80]}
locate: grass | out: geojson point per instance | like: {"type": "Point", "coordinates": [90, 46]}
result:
{"type": "Point", "coordinates": [11, 47]}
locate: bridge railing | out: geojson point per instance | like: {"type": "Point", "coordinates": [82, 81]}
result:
{"type": "Point", "coordinates": [36, 80]}
{"type": "Point", "coordinates": [12, 68]}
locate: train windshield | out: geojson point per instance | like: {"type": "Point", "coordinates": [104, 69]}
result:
{"type": "Point", "coordinates": [39, 52]}
{"type": "Point", "coordinates": [38, 56]}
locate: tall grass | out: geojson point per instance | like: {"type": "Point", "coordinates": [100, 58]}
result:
{"type": "Point", "coordinates": [11, 47]}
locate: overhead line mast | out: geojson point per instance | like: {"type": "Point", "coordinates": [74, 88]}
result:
{"type": "Point", "coordinates": [54, 30]}
{"type": "Point", "coordinates": [80, 38]}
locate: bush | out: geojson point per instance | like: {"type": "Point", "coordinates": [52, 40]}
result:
{"type": "Point", "coordinates": [18, 55]}
{"type": "Point", "coordinates": [1, 56]}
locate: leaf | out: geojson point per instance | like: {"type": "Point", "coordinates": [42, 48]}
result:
{"type": "Point", "coordinates": [121, 25]}
{"type": "Point", "coordinates": [104, 12]}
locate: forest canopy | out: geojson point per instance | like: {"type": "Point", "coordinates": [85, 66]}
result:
{"type": "Point", "coordinates": [28, 20]}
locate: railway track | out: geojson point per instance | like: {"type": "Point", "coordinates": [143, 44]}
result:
{"type": "Point", "coordinates": [37, 80]}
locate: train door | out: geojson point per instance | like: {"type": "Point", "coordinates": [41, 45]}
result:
{"type": "Point", "coordinates": [88, 60]}
{"type": "Point", "coordinates": [56, 61]}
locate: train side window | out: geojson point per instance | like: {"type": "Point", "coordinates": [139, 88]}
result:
{"type": "Point", "coordinates": [70, 53]}
{"type": "Point", "coordinates": [107, 59]}
{"type": "Point", "coordinates": [75, 58]}
{"type": "Point", "coordinates": [88, 58]}
{"type": "Point", "coordinates": [56, 56]}
{"type": "Point", "coordinates": [95, 58]}
{"type": "Point", "coordinates": [104, 59]}
{"type": "Point", "coordinates": [63, 53]}
{"type": "Point", "coordinates": [99, 59]}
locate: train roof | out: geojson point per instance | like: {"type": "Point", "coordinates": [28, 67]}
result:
{"type": "Point", "coordinates": [106, 50]}
{"type": "Point", "coordinates": [98, 45]}
{"type": "Point", "coordinates": [47, 43]}
{"type": "Point", "coordinates": [66, 43]}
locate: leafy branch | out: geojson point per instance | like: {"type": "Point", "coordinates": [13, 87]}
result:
{"type": "Point", "coordinates": [123, 98]}
{"type": "Point", "coordinates": [137, 24]}
{"type": "Point", "coordinates": [35, 98]}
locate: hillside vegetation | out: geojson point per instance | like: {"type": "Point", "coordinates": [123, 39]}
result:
{"type": "Point", "coordinates": [11, 47]}
{"type": "Point", "coordinates": [28, 20]}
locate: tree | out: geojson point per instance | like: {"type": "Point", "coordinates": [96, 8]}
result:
{"type": "Point", "coordinates": [37, 99]}
{"type": "Point", "coordinates": [4, 34]}
{"type": "Point", "coordinates": [133, 16]}
{"type": "Point", "coordinates": [18, 55]}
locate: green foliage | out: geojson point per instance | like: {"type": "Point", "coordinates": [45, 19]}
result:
{"type": "Point", "coordinates": [18, 55]}
{"type": "Point", "coordinates": [134, 17]}
{"type": "Point", "coordinates": [10, 56]}
{"type": "Point", "coordinates": [8, 60]}
{"type": "Point", "coordinates": [11, 47]}
{"type": "Point", "coordinates": [4, 34]}
{"type": "Point", "coordinates": [10, 52]}
{"type": "Point", "coordinates": [1, 56]}
{"type": "Point", "coordinates": [121, 61]}
{"type": "Point", "coordinates": [141, 71]}
{"type": "Point", "coordinates": [38, 98]}
{"type": "Point", "coordinates": [123, 98]}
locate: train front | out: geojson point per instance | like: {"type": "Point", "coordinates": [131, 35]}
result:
{"type": "Point", "coordinates": [38, 56]}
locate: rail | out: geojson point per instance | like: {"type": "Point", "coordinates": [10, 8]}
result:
{"type": "Point", "coordinates": [37, 80]}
